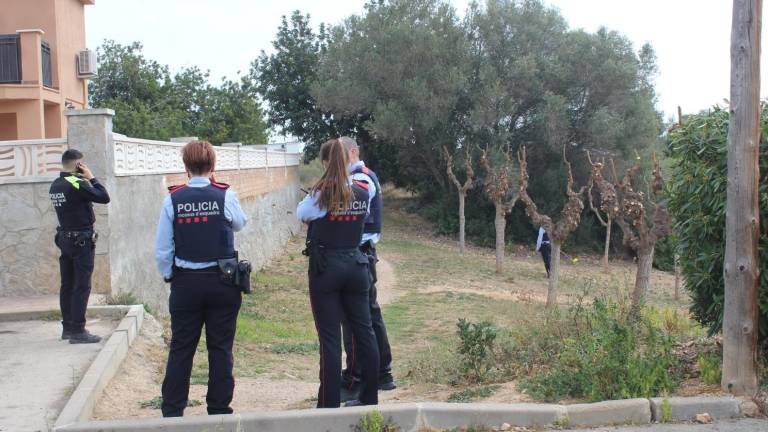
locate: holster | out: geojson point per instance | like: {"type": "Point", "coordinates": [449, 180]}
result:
{"type": "Point", "coordinates": [318, 262]}
{"type": "Point", "coordinates": [236, 273]}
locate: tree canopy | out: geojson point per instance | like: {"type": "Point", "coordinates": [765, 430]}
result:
{"type": "Point", "coordinates": [407, 77]}
{"type": "Point", "coordinates": [151, 103]}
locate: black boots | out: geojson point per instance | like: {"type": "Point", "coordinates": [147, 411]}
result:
{"type": "Point", "coordinates": [82, 337]}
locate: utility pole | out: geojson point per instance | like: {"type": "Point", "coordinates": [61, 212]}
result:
{"type": "Point", "coordinates": [742, 223]}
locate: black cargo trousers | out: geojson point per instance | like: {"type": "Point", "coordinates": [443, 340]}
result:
{"type": "Point", "coordinates": [200, 297]}
{"type": "Point", "coordinates": [76, 264]}
{"type": "Point", "coordinates": [352, 372]}
{"type": "Point", "coordinates": [338, 288]}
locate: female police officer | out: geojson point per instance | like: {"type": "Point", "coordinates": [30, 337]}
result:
{"type": "Point", "coordinates": [339, 280]}
{"type": "Point", "coordinates": [195, 230]}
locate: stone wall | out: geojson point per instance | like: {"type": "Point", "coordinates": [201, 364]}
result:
{"type": "Point", "coordinates": [268, 198]}
{"type": "Point", "coordinates": [136, 174]}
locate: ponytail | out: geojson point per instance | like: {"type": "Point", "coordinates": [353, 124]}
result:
{"type": "Point", "coordinates": [333, 187]}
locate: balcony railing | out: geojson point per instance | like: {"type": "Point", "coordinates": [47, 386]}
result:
{"type": "Point", "coordinates": [10, 59]}
{"type": "Point", "coordinates": [47, 70]}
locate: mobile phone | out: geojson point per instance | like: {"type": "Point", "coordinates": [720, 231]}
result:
{"type": "Point", "coordinates": [79, 169]}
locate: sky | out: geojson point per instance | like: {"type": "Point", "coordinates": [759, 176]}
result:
{"type": "Point", "coordinates": [691, 37]}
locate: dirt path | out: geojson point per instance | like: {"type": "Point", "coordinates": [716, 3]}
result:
{"type": "Point", "coordinates": [385, 287]}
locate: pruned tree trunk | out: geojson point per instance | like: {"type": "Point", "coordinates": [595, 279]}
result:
{"type": "Point", "coordinates": [462, 190]}
{"type": "Point", "coordinates": [609, 224]}
{"type": "Point", "coordinates": [558, 232]}
{"type": "Point", "coordinates": [554, 274]}
{"type": "Point", "coordinates": [497, 189]}
{"type": "Point", "coordinates": [742, 222]}
{"type": "Point", "coordinates": [462, 222]}
{"type": "Point", "coordinates": [500, 222]}
{"type": "Point", "coordinates": [642, 279]}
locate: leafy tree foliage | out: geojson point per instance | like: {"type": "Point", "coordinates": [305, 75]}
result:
{"type": "Point", "coordinates": [284, 79]}
{"type": "Point", "coordinates": [400, 67]}
{"type": "Point", "coordinates": [697, 201]}
{"type": "Point", "coordinates": [151, 103]}
{"type": "Point", "coordinates": [408, 77]}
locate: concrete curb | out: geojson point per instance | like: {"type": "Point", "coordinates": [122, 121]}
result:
{"type": "Point", "coordinates": [80, 405]}
{"type": "Point", "coordinates": [609, 413]}
{"type": "Point", "coordinates": [686, 408]}
{"type": "Point", "coordinates": [106, 311]}
{"type": "Point", "coordinates": [451, 415]}
{"type": "Point", "coordinates": [413, 417]}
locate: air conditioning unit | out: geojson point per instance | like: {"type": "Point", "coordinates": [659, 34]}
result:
{"type": "Point", "coordinates": [86, 64]}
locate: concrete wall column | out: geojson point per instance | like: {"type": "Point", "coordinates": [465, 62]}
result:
{"type": "Point", "coordinates": [90, 131]}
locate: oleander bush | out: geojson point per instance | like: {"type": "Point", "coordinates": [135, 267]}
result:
{"type": "Point", "coordinates": [697, 200]}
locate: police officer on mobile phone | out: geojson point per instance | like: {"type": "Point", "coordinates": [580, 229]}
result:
{"type": "Point", "coordinates": [195, 252]}
{"type": "Point", "coordinates": [72, 195]}
{"type": "Point", "coordinates": [371, 235]}
{"type": "Point", "coordinates": [339, 279]}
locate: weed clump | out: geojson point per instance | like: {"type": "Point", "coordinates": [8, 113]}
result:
{"type": "Point", "coordinates": [606, 356]}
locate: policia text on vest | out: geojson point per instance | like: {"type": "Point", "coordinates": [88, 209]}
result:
{"type": "Point", "coordinates": [72, 196]}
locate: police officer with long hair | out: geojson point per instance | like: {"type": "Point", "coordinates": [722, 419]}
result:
{"type": "Point", "coordinates": [339, 279]}
{"type": "Point", "coordinates": [194, 235]}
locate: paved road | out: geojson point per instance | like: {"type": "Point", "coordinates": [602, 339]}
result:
{"type": "Point", "coordinates": [40, 371]}
{"type": "Point", "coordinates": [743, 425]}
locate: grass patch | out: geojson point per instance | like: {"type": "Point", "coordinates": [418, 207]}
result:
{"type": "Point", "coordinates": [374, 422]}
{"type": "Point", "coordinates": [157, 402]}
{"type": "Point", "coordinates": [710, 368]}
{"type": "Point", "coordinates": [472, 394]}
{"type": "Point", "coordinates": [296, 348]}
{"type": "Point", "coordinates": [53, 315]}
{"type": "Point", "coordinates": [122, 298]}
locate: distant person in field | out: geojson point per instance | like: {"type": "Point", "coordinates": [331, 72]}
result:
{"type": "Point", "coordinates": [543, 246]}
{"type": "Point", "coordinates": [339, 278]}
{"type": "Point", "coordinates": [371, 235]}
{"type": "Point", "coordinates": [194, 233]}
{"type": "Point", "coordinates": [72, 195]}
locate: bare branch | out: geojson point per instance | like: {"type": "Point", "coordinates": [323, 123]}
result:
{"type": "Point", "coordinates": [470, 172]}
{"type": "Point", "coordinates": [449, 168]}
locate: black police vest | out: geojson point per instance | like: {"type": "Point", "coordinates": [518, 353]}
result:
{"type": "Point", "coordinates": [342, 229]}
{"type": "Point", "coordinates": [201, 232]}
{"type": "Point", "coordinates": [374, 219]}
{"type": "Point", "coordinates": [74, 212]}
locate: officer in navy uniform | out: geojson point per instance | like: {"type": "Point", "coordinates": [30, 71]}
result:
{"type": "Point", "coordinates": [73, 195]}
{"type": "Point", "coordinates": [339, 278]}
{"type": "Point", "coordinates": [371, 236]}
{"type": "Point", "coordinates": [543, 246]}
{"type": "Point", "coordinates": [195, 230]}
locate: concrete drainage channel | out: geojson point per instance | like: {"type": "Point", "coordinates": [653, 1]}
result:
{"type": "Point", "coordinates": [417, 417]}
{"type": "Point", "coordinates": [408, 417]}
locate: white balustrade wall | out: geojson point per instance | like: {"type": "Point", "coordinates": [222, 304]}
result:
{"type": "Point", "coordinates": [135, 156]}
{"type": "Point", "coordinates": [30, 161]}
{"type": "Point", "coordinates": [136, 173]}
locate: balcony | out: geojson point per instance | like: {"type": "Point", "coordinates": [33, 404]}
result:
{"type": "Point", "coordinates": [11, 61]}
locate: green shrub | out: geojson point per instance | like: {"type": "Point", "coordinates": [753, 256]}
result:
{"type": "Point", "coordinates": [122, 298]}
{"type": "Point", "coordinates": [710, 368]}
{"type": "Point", "coordinates": [476, 344]}
{"type": "Point", "coordinates": [697, 200]}
{"type": "Point", "coordinates": [472, 394]}
{"type": "Point", "coordinates": [613, 359]}
{"type": "Point", "coordinates": [666, 411]}
{"type": "Point", "coordinates": [664, 254]}
{"type": "Point", "coordinates": [374, 422]}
